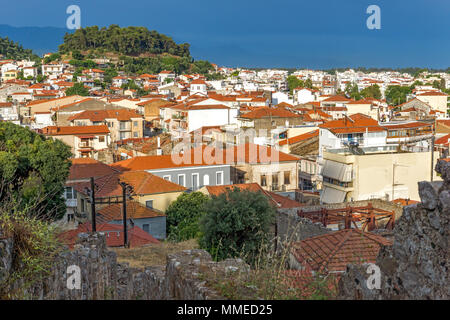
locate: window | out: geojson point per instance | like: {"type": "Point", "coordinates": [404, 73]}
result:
{"type": "Point", "coordinates": [149, 204]}
{"type": "Point", "coordinates": [219, 178]}
{"type": "Point", "coordinates": [135, 134]}
{"type": "Point", "coordinates": [287, 177]}
{"type": "Point", "coordinates": [101, 139]}
{"type": "Point", "coordinates": [135, 123]}
{"type": "Point", "coordinates": [181, 178]}
{"type": "Point", "coordinates": [275, 179]}
{"type": "Point", "coordinates": [206, 180]}
{"type": "Point", "coordinates": [70, 193]}
{"type": "Point", "coordinates": [263, 180]}
{"type": "Point", "coordinates": [167, 178]}
{"type": "Point", "coordinates": [194, 181]}
{"type": "Point", "coordinates": [146, 228]}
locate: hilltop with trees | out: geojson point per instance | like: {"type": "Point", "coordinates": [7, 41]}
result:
{"type": "Point", "coordinates": [11, 50]}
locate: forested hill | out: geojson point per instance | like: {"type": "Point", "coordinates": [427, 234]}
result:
{"type": "Point", "coordinates": [11, 50]}
{"type": "Point", "coordinates": [127, 41]}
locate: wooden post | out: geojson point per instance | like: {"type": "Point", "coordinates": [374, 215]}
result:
{"type": "Point", "coordinates": [93, 213]}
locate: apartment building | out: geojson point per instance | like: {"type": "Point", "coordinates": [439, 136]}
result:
{"type": "Point", "coordinates": [122, 123]}
{"type": "Point", "coordinates": [85, 141]}
{"type": "Point", "coordinates": [375, 173]}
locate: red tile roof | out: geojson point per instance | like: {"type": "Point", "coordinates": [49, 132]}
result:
{"type": "Point", "coordinates": [265, 112]}
{"type": "Point", "coordinates": [334, 251]}
{"type": "Point", "coordinates": [299, 138]}
{"type": "Point", "coordinates": [143, 183]}
{"type": "Point", "coordinates": [74, 130]}
{"type": "Point", "coordinates": [245, 153]}
{"type": "Point", "coordinates": [101, 115]}
{"type": "Point", "coordinates": [432, 93]}
{"type": "Point", "coordinates": [114, 235]}
{"type": "Point", "coordinates": [357, 123]}
{"type": "Point", "coordinates": [84, 168]}
{"type": "Point", "coordinates": [135, 210]}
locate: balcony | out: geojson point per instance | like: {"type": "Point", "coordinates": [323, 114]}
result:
{"type": "Point", "coordinates": [352, 141]}
{"type": "Point", "coordinates": [85, 145]}
{"type": "Point", "coordinates": [125, 127]}
{"type": "Point", "coordinates": [71, 203]}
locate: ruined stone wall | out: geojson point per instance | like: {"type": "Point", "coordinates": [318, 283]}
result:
{"type": "Point", "coordinates": [102, 277]}
{"type": "Point", "coordinates": [417, 265]}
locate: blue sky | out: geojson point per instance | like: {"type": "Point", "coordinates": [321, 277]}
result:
{"type": "Point", "coordinates": [271, 33]}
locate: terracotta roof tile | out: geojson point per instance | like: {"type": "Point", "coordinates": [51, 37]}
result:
{"type": "Point", "coordinates": [334, 251]}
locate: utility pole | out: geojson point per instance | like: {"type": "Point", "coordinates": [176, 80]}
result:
{"type": "Point", "coordinates": [432, 157]}
{"type": "Point", "coordinates": [127, 190]}
{"type": "Point", "coordinates": [91, 193]}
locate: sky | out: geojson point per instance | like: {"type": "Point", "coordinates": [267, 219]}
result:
{"type": "Point", "coordinates": [316, 34]}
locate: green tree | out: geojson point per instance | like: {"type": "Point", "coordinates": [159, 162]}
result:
{"type": "Point", "coordinates": [308, 83]}
{"type": "Point", "coordinates": [33, 171]}
{"type": "Point", "coordinates": [352, 91]}
{"type": "Point", "coordinates": [77, 89]}
{"type": "Point", "coordinates": [294, 82]}
{"type": "Point", "coordinates": [371, 92]}
{"type": "Point", "coordinates": [237, 223]}
{"type": "Point", "coordinates": [183, 216]}
{"type": "Point", "coordinates": [396, 95]}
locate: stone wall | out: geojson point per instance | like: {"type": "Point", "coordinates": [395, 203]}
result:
{"type": "Point", "coordinates": [102, 277]}
{"type": "Point", "coordinates": [417, 265]}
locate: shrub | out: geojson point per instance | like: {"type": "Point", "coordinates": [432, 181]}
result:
{"type": "Point", "coordinates": [237, 223]}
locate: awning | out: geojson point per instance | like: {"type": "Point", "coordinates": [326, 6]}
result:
{"type": "Point", "coordinates": [339, 171]}
{"type": "Point", "coordinates": [331, 195]}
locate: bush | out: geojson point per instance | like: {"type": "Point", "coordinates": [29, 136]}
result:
{"type": "Point", "coordinates": [237, 223]}
{"type": "Point", "coordinates": [35, 247]}
{"type": "Point", "coordinates": [183, 216]}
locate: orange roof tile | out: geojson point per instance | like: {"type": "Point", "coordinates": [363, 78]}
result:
{"type": "Point", "coordinates": [101, 115]}
{"type": "Point", "coordinates": [74, 130]}
{"type": "Point", "coordinates": [334, 251]}
{"type": "Point", "coordinates": [301, 137]}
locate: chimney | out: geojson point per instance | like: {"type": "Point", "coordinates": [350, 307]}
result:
{"type": "Point", "coordinates": [158, 150]}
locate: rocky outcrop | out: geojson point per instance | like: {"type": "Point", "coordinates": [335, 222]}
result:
{"type": "Point", "coordinates": [417, 265]}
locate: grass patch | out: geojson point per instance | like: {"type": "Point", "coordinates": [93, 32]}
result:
{"type": "Point", "coordinates": [153, 254]}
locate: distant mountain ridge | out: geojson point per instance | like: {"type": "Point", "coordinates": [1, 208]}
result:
{"type": "Point", "coordinates": [40, 39]}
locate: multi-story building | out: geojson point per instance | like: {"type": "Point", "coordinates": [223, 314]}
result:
{"type": "Point", "coordinates": [122, 123]}
{"type": "Point", "coordinates": [377, 172]}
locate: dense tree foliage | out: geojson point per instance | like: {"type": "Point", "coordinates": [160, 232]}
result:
{"type": "Point", "coordinates": [294, 82]}
{"type": "Point", "coordinates": [237, 223]}
{"type": "Point", "coordinates": [77, 89]}
{"type": "Point", "coordinates": [129, 41]}
{"type": "Point", "coordinates": [11, 50]}
{"type": "Point", "coordinates": [156, 64]}
{"type": "Point", "coordinates": [396, 95]}
{"type": "Point", "coordinates": [352, 91]}
{"type": "Point", "coordinates": [33, 171]}
{"type": "Point", "coordinates": [371, 92]}
{"type": "Point", "coordinates": [183, 216]}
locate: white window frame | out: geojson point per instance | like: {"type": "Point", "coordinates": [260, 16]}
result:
{"type": "Point", "coordinates": [206, 180]}
{"type": "Point", "coordinates": [221, 180]}
{"type": "Point", "coordinates": [184, 179]}
{"type": "Point", "coordinates": [168, 176]}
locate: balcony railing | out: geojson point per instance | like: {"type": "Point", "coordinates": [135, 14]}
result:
{"type": "Point", "coordinates": [71, 202]}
